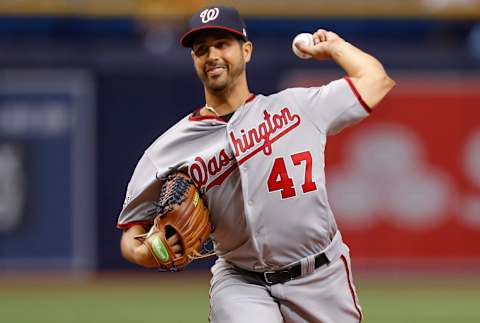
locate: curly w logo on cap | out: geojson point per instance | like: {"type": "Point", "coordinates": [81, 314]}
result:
{"type": "Point", "coordinates": [209, 14]}
{"type": "Point", "coordinates": [219, 17]}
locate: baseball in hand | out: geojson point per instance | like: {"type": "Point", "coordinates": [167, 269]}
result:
{"type": "Point", "coordinates": [305, 38]}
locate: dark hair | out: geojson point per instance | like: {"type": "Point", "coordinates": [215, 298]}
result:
{"type": "Point", "coordinates": [238, 38]}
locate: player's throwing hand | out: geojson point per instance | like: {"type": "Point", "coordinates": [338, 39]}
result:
{"type": "Point", "coordinates": [321, 49]}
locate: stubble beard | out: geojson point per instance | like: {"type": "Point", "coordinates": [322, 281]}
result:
{"type": "Point", "coordinates": [225, 81]}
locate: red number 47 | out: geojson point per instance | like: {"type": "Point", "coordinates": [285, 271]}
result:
{"type": "Point", "coordinates": [279, 179]}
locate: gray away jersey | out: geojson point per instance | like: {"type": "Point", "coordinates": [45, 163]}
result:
{"type": "Point", "coordinates": [262, 173]}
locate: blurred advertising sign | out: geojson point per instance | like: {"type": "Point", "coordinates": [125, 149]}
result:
{"type": "Point", "coordinates": [404, 184]}
{"type": "Point", "coordinates": [281, 8]}
{"type": "Point", "coordinates": [47, 207]}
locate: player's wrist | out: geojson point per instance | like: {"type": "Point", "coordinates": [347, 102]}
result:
{"type": "Point", "coordinates": [143, 257]}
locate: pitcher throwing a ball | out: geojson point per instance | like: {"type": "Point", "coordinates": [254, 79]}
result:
{"type": "Point", "coordinates": [259, 161]}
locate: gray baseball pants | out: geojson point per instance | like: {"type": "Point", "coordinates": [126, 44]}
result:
{"type": "Point", "coordinates": [326, 295]}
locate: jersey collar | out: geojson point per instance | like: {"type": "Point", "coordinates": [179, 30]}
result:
{"type": "Point", "coordinates": [194, 117]}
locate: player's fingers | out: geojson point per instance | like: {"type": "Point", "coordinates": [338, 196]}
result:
{"type": "Point", "coordinates": [319, 51]}
{"type": "Point", "coordinates": [330, 35]}
{"type": "Point", "coordinates": [321, 35]}
{"type": "Point", "coordinates": [177, 248]}
{"type": "Point", "coordinates": [306, 49]}
{"type": "Point", "coordinates": [173, 239]}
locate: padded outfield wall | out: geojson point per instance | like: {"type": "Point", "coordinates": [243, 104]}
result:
{"type": "Point", "coordinates": [404, 184]}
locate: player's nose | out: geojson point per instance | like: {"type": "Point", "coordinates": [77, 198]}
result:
{"type": "Point", "coordinates": [213, 53]}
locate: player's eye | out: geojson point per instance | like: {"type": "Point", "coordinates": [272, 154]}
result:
{"type": "Point", "coordinates": [200, 51]}
{"type": "Point", "coordinates": [221, 44]}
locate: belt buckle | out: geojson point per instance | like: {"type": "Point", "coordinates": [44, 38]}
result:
{"type": "Point", "coordinates": [284, 273]}
{"type": "Point", "coordinates": [265, 276]}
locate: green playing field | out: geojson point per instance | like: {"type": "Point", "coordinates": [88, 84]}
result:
{"type": "Point", "coordinates": [168, 299]}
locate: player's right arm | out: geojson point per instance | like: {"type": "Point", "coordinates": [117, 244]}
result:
{"type": "Point", "coordinates": [364, 70]}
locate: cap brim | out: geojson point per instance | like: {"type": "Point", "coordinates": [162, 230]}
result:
{"type": "Point", "coordinates": [188, 37]}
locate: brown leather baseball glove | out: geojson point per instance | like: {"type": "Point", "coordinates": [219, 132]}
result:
{"type": "Point", "coordinates": [182, 215]}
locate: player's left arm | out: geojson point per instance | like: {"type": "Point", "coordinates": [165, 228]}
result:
{"type": "Point", "coordinates": [364, 70]}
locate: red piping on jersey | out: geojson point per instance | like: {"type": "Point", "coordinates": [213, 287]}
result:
{"type": "Point", "coordinates": [193, 117]}
{"type": "Point", "coordinates": [352, 291]}
{"type": "Point", "coordinates": [251, 97]}
{"type": "Point", "coordinates": [131, 224]}
{"type": "Point", "coordinates": [357, 94]}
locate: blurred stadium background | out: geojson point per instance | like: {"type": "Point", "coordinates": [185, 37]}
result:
{"type": "Point", "coordinates": [86, 85]}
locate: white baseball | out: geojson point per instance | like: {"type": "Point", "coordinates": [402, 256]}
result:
{"type": "Point", "coordinates": [305, 38]}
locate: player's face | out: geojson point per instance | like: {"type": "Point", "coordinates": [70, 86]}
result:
{"type": "Point", "coordinates": [219, 59]}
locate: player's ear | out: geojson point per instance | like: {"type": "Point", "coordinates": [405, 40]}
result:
{"type": "Point", "coordinates": [192, 53]}
{"type": "Point", "coordinates": [247, 49]}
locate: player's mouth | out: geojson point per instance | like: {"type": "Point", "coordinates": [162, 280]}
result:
{"type": "Point", "coordinates": [215, 70]}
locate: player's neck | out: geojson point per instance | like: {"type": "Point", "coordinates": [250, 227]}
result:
{"type": "Point", "coordinates": [227, 101]}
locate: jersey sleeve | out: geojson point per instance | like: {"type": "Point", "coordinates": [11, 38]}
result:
{"type": "Point", "coordinates": [334, 106]}
{"type": "Point", "coordinates": [142, 191]}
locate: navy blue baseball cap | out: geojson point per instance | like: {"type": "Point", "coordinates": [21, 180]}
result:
{"type": "Point", "coordinates": [215, 17]}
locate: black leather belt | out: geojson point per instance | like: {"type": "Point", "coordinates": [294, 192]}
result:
{"type": "Point", "coordinates": [284, 275]}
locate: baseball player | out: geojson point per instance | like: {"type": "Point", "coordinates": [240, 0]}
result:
{"type": "Point", "coordinates": [260, 162]}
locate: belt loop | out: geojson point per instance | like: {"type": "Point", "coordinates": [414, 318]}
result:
{"type": "Point", "coordinates": [307, 265]}
{"type": "Point", "coordinates": [304, 266]}
{"type": "Point", "coordinates": [311, 263]}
